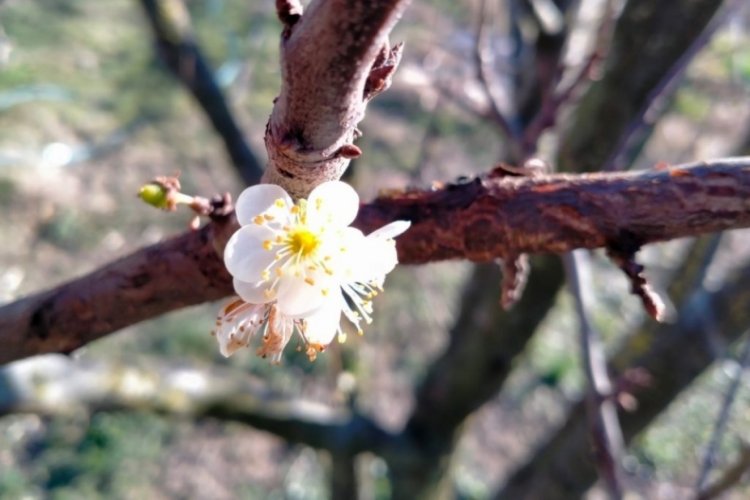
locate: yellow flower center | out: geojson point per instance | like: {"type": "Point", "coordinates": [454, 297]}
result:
{"type": "Point", "coordinates": [303, 242]}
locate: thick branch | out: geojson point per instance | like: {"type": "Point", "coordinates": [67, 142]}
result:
{"type": "Point", "coordinates": [492, 217]}
{"type": "Point", "coordinates": [170, 23]}
{"type": "Point", "coordinates": [477, 220]}
{"type": "Point", "coordinates": [333, 60]}
{"type": "Point", "coordinates": [180, 272]}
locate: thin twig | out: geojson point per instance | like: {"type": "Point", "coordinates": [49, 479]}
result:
{"type": "Point", "coordinates": [601, 409]}
{"type": "Point", "coordinates": [722, 419]}
{"type": "Point", "coordinates": [555, 98]}
{"type": "Point", "coordinates": [730, 477]}
{"type": "Point", "coordinates": [485, 73]}
{"type": "Point", "coordinates": [670, 356]}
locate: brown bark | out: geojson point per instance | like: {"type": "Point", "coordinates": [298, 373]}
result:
{"type": "Point", "coordinates": [492, 216]}
{"type": "Point", "coordinates": [180, 272]}
{"type": "Point", "coordinates": [479, 220]}
{"type": "Point", "coordinates": [334, 59]}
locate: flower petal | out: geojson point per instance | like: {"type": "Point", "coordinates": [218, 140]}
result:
{"type": "Point", "coordinates": [244, 254]}
{"type": "Point", "coordinates": [254, 294]}
{"type": "Point", "coordinates": [237, 323]}
{"type": "Point", "coordinates": [322, 325]}
{"type": "Point", "coordinates": [332, 203]}
{"type": "Point", "coordinates": [257, 199]}
{"type": "Point", "coordinates": [297, 297]}
{"type": "Point", "coordinates": [390, 231]}
{"type": "Point", "coordinates": [368, 259]}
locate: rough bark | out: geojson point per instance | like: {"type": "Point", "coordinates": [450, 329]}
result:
{"type": "Point", "coordinates": [491, 216]}
{"type": "Point", "coordinates": [334, 59]}
{"type": "Point", "coordinates": [479, 220]}
{"type": "Point", "coordinates": [145, 284]}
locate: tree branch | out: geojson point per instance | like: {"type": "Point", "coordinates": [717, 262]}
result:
{"type": "Point", "coordinates": [145, 284]}
{"type": "Point", "coordinates": [498, 215]}
{"type": "Point", "coordinates": [675, 354]}
{"type": "Point", "coordinates": [722, 420]}
{"type": "Point", "coordinates": [650, 39]}
{"type": "Point", "coordinates": [730, 477]}
{"type": "Point", "coordinates": [479, 220]}
{"type": "Point", "coordinates": [334, 59]}
{"type": "Point", "coordinates": [170, 23]}
{"type": "Point", "coordinates": [483, 60]}
{"type": "Point", "coordinates": [601, 411]}
{"type": "Point", "coordinates": [54, 385]}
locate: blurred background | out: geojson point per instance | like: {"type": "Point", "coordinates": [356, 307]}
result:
{"type": "Point", "coordinates": [89, 112]}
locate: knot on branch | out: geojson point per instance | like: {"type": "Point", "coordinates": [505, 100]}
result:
{"type": "Point", "coordinates": [623, 254]}
{"type": "Point", "coordinates": [381, 73]}
{"type": "Point", "coordinates": [289, 12]}
{"type": "Point", "coordinates": [515, 275]}
{"type": "Point", "coordinates": [349, 151]}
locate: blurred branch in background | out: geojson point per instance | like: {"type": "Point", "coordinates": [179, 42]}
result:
{"type": "Point", "coordinates": [485, 340]}
{"type": "Point", "coordinates": [650, 39]}
{"type": "Point", "coordinates": [484, 61]}
{"type": "Point", "coordinates": [57, 385]}
{"type": "Point", "coordinates": [728, 478]}
{"type": "Point", "coordinates": [656, 363]}
{"type": "Point", "coordinates": [177, 48]}
{"type": "Point", "coordinates": [555, 97]}
{"type": "Point", "coordinates": [601, 410]}
{"type": "Point", "coordinates": [722, 419]}
{"type": "Point", "coordinates": [657, 104]}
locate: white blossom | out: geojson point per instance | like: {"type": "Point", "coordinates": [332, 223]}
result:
{"type": "Point", "coordinates": [299, 266]}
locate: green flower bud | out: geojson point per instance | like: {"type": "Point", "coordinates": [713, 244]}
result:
{"type": "Point", "coordinates": [155, 195]}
